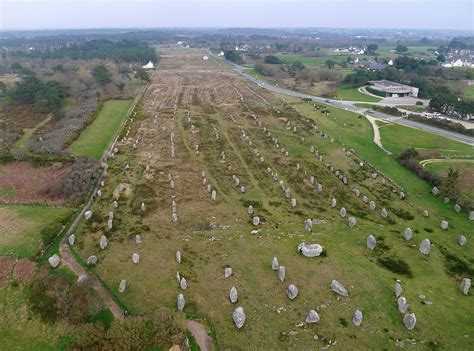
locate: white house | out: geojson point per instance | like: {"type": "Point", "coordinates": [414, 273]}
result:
{"type": "Point", "coordinates": [149, 65]}
{"type": "Point", "coordinates": [457, 63]}
{"type": "Point", "coordinates": [221, 53]}
{"type": "Point", "coordinates": [356, 60]}
{"type": "Point", "coordinates": [205, 57]}
{"type": "Point", "coordinates": [390, 63]}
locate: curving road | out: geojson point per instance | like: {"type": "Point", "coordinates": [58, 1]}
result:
{"type": "Point", "coordinates": [349, 106]}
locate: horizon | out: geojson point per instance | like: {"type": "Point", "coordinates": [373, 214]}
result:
{"type": "Point", "coordinates": [404, 15]}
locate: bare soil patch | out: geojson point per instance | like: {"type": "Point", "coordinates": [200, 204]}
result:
{"type": "Point", "coordinates": [20, 116]}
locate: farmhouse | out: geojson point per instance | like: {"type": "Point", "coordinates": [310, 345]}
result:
{"type": "Point", "coordinates": [149, 65]}
{"type": "Point", "coordinates": [387, 88]}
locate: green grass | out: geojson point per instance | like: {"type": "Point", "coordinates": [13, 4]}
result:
{"type": "Point", "coordinates": [20, 237]}
{"type": "Point", "coordinates": [95, 139]}
{"type": "Point", "coordinates": [469, 91]}
{"type": "Point", "coordinates": [364, 105]}
{"type": "Point", "coordinates": [413, 108]}
{"type": "Point", "coordinates": [353, 94]}
{"type": "Point", "coordinates": [255, 73]}
{"type": "Point", "coordinates": [443, 167]}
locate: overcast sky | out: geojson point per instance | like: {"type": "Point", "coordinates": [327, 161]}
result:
{"type": "Point", "coordinates": [415, 14]}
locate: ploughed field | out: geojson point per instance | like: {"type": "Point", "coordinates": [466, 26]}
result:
{"type": "Point", "coordinates": [201, 127]}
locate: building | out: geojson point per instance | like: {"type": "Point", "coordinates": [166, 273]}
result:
{"type": "Point", "coordinates": [390, 63]}
{"type": "Point", "coordinates": [149, 65]}
{"type": "Point", "coordinates": [205, 57]}
{"type": "Point", "coordinates": [387, 88]}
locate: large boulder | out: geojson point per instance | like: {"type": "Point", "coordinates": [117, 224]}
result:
{"type": "Point", "coordinates": [281, 273]}
{"type": "Point", "coordinates": [181, 302]}
{"type": "Point", "coordinates": [256, 220]}
{"type": "Point", "coordinates": [351, 222]}
{"type": "Point", "coordinates": [444, 225]}
{"type": "Point", "coordinates": [371, 242]}
{"type": "Point", "coordinates": [71, 239]}
{"type": "Point", "coordinates": [92, 260]}
{"type": "Point", "coordinates": [409, 320]}
{"type": "Point", "coordinates": [135, 258]}
{"type": "Point", "coordinates": [357, 318]}
{"type": "Point", "coordinates": [292, 291]}
{"type": "Point", "coordinates": [338, 288]}
{"type": "Point", "coordinates": [54, 260]}
{"type": "Point", "coordinates": [87, 214]}
{"type": "Point", "coordinates": [103, 242]}
{"type": "Point", "coordinates": [275, 264]}
{"type": "Point", "coordinates": [183, 284]}
{"type": "Point", "coordinates": [250, 210]}
{"type": "Point", "coordinates": [342, 212]}
{"type": "Point", "coordinates": [435, 191]}
{"type": "Point", "coordinates": [425, 246]}
{"type": "Point", "coordinates": [311, 250]}
{"type": "Point", "coordinates": [465, 286]}
{"type": "Point", "coordinates": [372, 205]}
{"type": "Point", "coordinates": [384, 213]}
{"type": "Point", "coordinates": [239, 317]}
{"type": "Point", "coordinates": [402, 304]}
{"type": "Point", "coordinates": [407, 234]}
{"type": "Point", "coordinates": [227, 272]}
{"type": "Point", "coordinates": [462, 240]}
{"type": "Point", "coordinates": [233, 295]}
{"type": "Point", "coordinates": [312, 317]}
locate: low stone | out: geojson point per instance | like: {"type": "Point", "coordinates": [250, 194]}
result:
{"type": "Point", "coordinates": [109, 224]}
{"type": "Point", "coordinates": [293, 203]}
{"type": "Point", "coordinates": [138, 239]}
{"type": "Point", "coordinates": [351, 222]}
{"type": "Point", "coordinates": [181, 302]}
{"type": "Point", "coordinates": [275, 264]}
{"type": "Point", "coordinates": [357, 318]}
{"type": "Point", "coordinates": [465, 286]}
{"type": "Point", "coordinates": [384, 213]}
{"type": "Point", "coordinates": [402, 304]}
{"type": "Point", "coordinates": [256, 220]}
{"type": "Point", "coordinates": [398, 289]}
{"type": "Point", "coordinates": [81, 279]}
{"type": "Point", "coordinates": [365, 199]}
{"type": "Point", "coordinates": [115, 204]}
{"type": "Point", "coordinates": [178, 256]}
{"type": "Point", "coordinates": [183, 284]}
{"type": "Point", "coordinates": [250, 210]}
{"type": "Point", "coordinates": [213, 195]}
{"type": "Point", "coordinates": [371, 242]}
{"type": "Point", "coordinates": [103, 242]}
{"type": "Point", "coordinates": [457, 208]}
{"type": "Point", "coordinates": [281, 273]}
{"type": "Point", "coordinates": [308, 225]}
{"type": "Point", "coordinates": [312, 317]}
{"type": "Point", "coordinates": [227, 272]}
{"type": "Point", "coordinates": [425, 247]}
{"type": "Point", "coordinates": [92, 260]}
{"type": "Point", "coordinates": [292, 291]}
{"type": "Point", "coordinates": [311, 250]}
{"type": "Point", "coordinates": [135, 258]}
{"type": "Point", "coordinates": [409, 320]}
{"type": "Point", "coordinates": [402, 195]}
{"type": "Point", "coordinates": [54, 260]}
{"type": "Point", "coordinates": [87, 214]}
{"type": "Point", "coordinates": [446, 200]}
{"type": "Point", "coordinates": [407, 234]}
{"type": "Point", "coordinates": [233, 295]}
{"type": "Point", "coordinates": [142, 207]}
{"type": "Point", "coordinates": [471, 215]}
{"type": "Point", "coordinates": [425, 213]}
{"type": "Point", "coordinates": [122, 285]}
{"type": "Point", "coordinates": [342, 212]}
{"type": "Point", "coordinates": [372, 205]}
{"type": "Point", "coordinates": [338, 288]}
{"type": "Point", "coordinates": [444, 225]}
{"type": "Point", "coordinates": [71, 239]}
{"type": "Point", "coordinates": [435, 191]}
{"type": "Point", "coordinates": [462, 240]}
{"type": "Point", "coordinates": [239, 317]}
{"type": "Point", "coordinates": [333, 202]}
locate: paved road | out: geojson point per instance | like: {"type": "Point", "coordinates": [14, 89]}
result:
{"type": "Point", "coordinates": [349, 106]}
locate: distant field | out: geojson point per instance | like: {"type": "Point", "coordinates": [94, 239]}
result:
{"type": "Point", "coordinates": [353, 94]}
{"type": "Point", "coordinates": [21, 226]}
{"type": "Point", "coordinates": [95, 139]}
{"type": "Point", "coordinates": [422, 49]}
{"type": "Point", "coordinates": [310, 60]}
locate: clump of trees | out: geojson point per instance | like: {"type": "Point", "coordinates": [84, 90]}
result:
{"type": "Point", "coordinates": [142, 74]}
{"type": "Point", "coordinates": [410, 158]}
{"type": "Point", "coordinates": [102, 75]}
{"type": "Point", "coordinates": [272, 59]}
{"type": "Point", "coordinates": [449, 105]}
{"type": "Point", "coordinates": [234, 56]}
{"type": "Point", "coordinates": [442, 123]}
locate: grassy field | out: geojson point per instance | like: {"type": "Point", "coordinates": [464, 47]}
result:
{"type": "Point", "coordinates": [95, 139]}
{"type": "Point", "coordinates": [353, 94]}
{"type": "Point", "coordinates": [212, 235]}
{"type": "Point", "coordinates": [20, 234]}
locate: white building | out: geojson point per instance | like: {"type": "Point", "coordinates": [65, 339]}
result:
{"type": "Point", "coordinates": [221, 53]}
{"type": "Point", "coordinates": [390, 63]}
{"type": "Point", "coordinates": [149, 65]}
{"type": "Point", "coordinates": [205, 57]}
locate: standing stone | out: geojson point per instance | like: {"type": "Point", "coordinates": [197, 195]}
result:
{"type": "Point", "coordinates": [250, 210]}
{"type": "Point", "coordinates": [352, 222]}
{"type": "Point", "coordinates": [111, 215]}
{"type": "Point", "coordinates": [384, 213]}
{"type": "Point", "coordinates": [338, 288]}
{"type": "Point", "coordinates": [174, 217]}
{"type": "Point", "coordinates": [402, 305]}
{"type": "Point", "coordinates": [471, 215]}
{"type": "Point", "coordinates": [281, 273]}
{"type": "Point", "coordinates": [357, 318]}
{"type": "Point", "coordinates": [444, 225]}
{"type": "Point", "coordinates": [292, 291]}
{"type": "Point", "coordinates": [181, 302]}
{"type": "Point", "coordinates": [342, 212]}
{"type": "Point", "coordinates": [319, 188]}
{"type": "Point", "coordinates": [239, 317]}
{"type": "Point", "coordinates": [457, 208]}
{"type": "Point", "coordinates": [333, 202]}
{"type": "Point", "coordinates": [92, 260]}
{"type": "Point", "coordinates": [465, 286]}
{"type": "Point", "coordinates": [233, 295]}
{"type": "Point", "coordinates": [122, 285]}
{"type": "Point", "coordinates": [115, 204]}
{"type": "Point", "coordinates": [103, 242]}
{"type": "Point", "coordinates": [435, 191]}
{"type": "Point", "coordinates": [54, 260]}
{"type": "Point", "coordinates": [242, 189]}
{"type": "Point", "coordinates": [256, 220]}
{"type": "Point", "coordinates": [425, 247]}
{"type": "Point", "coordinates": [372, 205]}
{"type": "Point", "coordinates": [293, 203]}
{"type": "Point", "coordinates": [308, 225]}
{"type": "Point", "coordinates": [407, 234]}
{"type": "Point", "coordinates": [275, 264]}
{"type": "Point", "coordinates": [142, 207]}
{"type": "Point", "coordinates": [312, 317]}
{"type": "Point", "coordinates": [87, 214]}
{"type": "Point", "coordinates": [425, 213]}
{"type": "Point", "coordinates": [462, 240]}
{"type": "Point", "coordinates": [402, 195]}
{"type": "Point", "coordinates": [398, 289]}
{"type": "Point", "coordinates": [371, 242]}
{"type": "Point", "coordinates": [410, 321]}
{"type": "Point", "coordinates": [183, 284]}
{"type": "Point", "coordinates": [138, 239]}
{"type": "Point", "coordinates": [71, 239]}
{"type": "Point", "coordinates": [135, 258]}
{"type": "Point", "coordinates": [178, 256]}
{"type": "Point", "coordinates": [109, 224]}
{"type": "Point", "coordinates": [227, 272]}
{"type": "Point", "coordinates": [365, 199]}
{"type": "Point", "coordinates": [213, 195]}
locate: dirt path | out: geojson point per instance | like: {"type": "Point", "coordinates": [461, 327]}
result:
{"type": "Point", "coordinates": [377, 139]}
{"type": "Point", "coordinates": [200, 334]}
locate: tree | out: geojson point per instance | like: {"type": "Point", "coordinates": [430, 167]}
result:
{"type": "Point", "coordinates": [233, 56]}
{"type": "Point", "coordinates": [372, 47]}
{"type": "Point", "coordinates": [401, 48]}
{"type": "Point", "coordinates": [102, 75]}
{"type": "Point", "coordinates": [297, 66]}
{"type": "Point", "coordinates": [441, 58]}
{"type": "Point", "coordinates": [142, 74]}
{"type": "Point", "coordinates": [330, 63]}
{"type": "Point", "coordinates": [449, 185]}
{"type": "Point", "coordinates": [271, 59]}
{"type": "Point", "coordinates": [26, 90]}
{"type": "Point", "coordinates": [120, 85]}
{"type": "Point", "coordinates": [51, 98]}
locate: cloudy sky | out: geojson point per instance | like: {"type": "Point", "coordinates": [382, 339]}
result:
{"type": "Point", "coordinates": [415, 14]}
